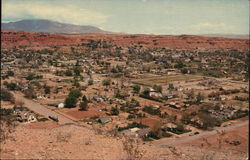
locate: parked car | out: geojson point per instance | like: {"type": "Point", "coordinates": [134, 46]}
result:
{"type": "Point", "coordinates": [54, 118]}
{"type": "Point", "coordinates": [194, 133]}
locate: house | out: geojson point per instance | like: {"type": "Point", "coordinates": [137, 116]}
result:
{"type": "Point", "coordinates": [24, 116]}
{"type": "Point", "coordinates": [170, 95]}
{"type": "Point", "coordinates": [60, 105]}
{"type": "Point", "coordinates": [104, 120]}
{"type": "Point", "coordinates": [143, 132]}
{"type": "Point", "coordinates": [155, 94]}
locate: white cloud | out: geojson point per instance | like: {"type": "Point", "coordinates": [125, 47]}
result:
{"type": "Point", "coordinates": [209, 27]}
{"type": "Point", "coordinates": [68, 14]}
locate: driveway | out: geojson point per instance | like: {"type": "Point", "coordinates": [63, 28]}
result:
{"type": "Point", "coordinates": [185, 139]}
{"type": "Point", "coordinates": [36, 107]}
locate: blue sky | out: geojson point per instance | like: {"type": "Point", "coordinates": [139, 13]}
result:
{"type": "Point", "coordinates": [138, 16]}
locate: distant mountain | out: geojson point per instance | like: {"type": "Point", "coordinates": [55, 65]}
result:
{"type": "Point", "coordinates": [47, 26]}
{"type": "Point", "coordinates": [233, 36]}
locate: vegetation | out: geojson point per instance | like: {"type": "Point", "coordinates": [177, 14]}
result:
{"type": "Point", "coordinates": [151, 110]}
{"type": "Point", "coordinates": [114, 111]}
{"type": "Point", "coordinates": [71, 100]}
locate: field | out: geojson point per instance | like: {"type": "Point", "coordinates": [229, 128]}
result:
{"type": "Point", "coordinates": [165, 79]}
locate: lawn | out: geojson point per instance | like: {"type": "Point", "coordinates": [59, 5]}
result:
{"type": "Point", "coordinates": [163, 80]}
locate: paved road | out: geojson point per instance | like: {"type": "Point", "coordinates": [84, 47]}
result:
{"type": "Point", "coordinates": [172, 142]}
{"type": "Point", "coordinates": [36, 107]}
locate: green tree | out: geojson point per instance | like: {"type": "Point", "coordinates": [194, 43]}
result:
{"type": "Point", "coordinates": [171, 86]}
{"type": "Point", "coordinates": [136, 88]}
{"type": "Point", "coordinates": [70, 102]}
{"type": "Point", "coordinates": [114, 111]}
{"type": "Point", "coordinates": [77, 71]}
{"type": "Point", "coordinates": [47, 89]}
{"type": "Point", "coordinates": [11, 86]}
{"type": "Point", "coordinates": [83, 106]}
{"type": "Point", "coordinates": [146, 92]}
{"type": "Point", "coordinates": [75, 93]}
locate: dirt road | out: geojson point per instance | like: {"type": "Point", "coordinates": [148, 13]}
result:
{"type": "Point", "coordinates": [173, 142]}
{"type": "Point", "coordinates": [36, 107]}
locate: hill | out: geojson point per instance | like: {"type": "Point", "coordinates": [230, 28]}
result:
{"type": "Point", "coordinates": [47, 26]}
{"type": "Point", "coordinates": [12, 39]}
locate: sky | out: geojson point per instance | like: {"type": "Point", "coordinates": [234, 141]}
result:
{"type": "Point", "coordinates": [138, 16]}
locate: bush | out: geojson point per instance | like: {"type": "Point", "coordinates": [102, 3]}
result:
{"type": "Point", "coordinates": [29, 93]}
{"type": "Point", "coordinates": [11, 86]}
{"type": "Point", "coordinates": [106, 82]}
{"type": "Point", "coordinates": [184, 71]}
{"type": "Point", "coordinates": [151, 110]}
{"type": "Point", "coordinates": [114, 111]}
{"type": "Point", "coordinates": [77, 71]}
{"type": "Point", "coordinates": [10, 73]}
{"type": "Point", "coordinates": [75, 93]}
{"type": "Point", "coordinates": [47, 89]}
{"type": "Point", "coordinates": [158, 88]}
{"type": "Point", "coordinates": [68, 73]}
{"type": "Point", "coordinates": [83, 106]}
{"type": "Point", "coordinates": [70, 102]}
{"type": "Point", "coordinates": [90, 82]}
{"type": "Point", "coordinates": [30, 77]}
{"type": "Point", "coordinates": [136, 88]}
{"type": "Point", "coordinates": [171, 86]}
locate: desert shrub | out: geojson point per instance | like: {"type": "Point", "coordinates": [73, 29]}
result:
{"type": "Point", "coordinates": [171, 86]}
{"type": "Point", "coordinates": [77, 71]}
{"type": "Point", "coordinates": [184, 71]}
{"type": "Point", "coordinates": [199, 98]}
{"type": "Point", "coordinates": [179, 65]}
{"type": "Point", "coordinates": [136, 88]}
{"type": "Point", "coordinates": [151, 110]}
{"type": "Point", "coordinates": [68, 73]}
{"type": "Point", "coordinates": [90, 82]}
{"type": "Point", "coordinates": [7, 123]}
{"type": "Point", "coordinates": [6, 95]}
{"type": "Point", "coordinates": [158, 88]}
{"type": "Point", "coordinates": [131, 147]}
{"type": "Point", "coordinates": [10, 73]}
{"type": "Point", "coordinates": [131, 116]}
{"type": "Point", "coordinates": [11, 86]}
{"type": "Point", "coordinates": [106, 82]}
{"type": "Point", "coordinates": [29, 93]}
{"type": "Point", "coordinates": [63, 137]}
{"type": "Point", "coordinates": [241, 98]}
{"type": "Point", "coordinates": [185, 117]}
{"type": "Point", "coordinates": [47, 89]}
{"type": "Point", "coordinates": [114, 111]}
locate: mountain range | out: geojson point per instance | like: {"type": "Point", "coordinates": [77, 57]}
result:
{"type": "Point", "coordinates": [47, 26]}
